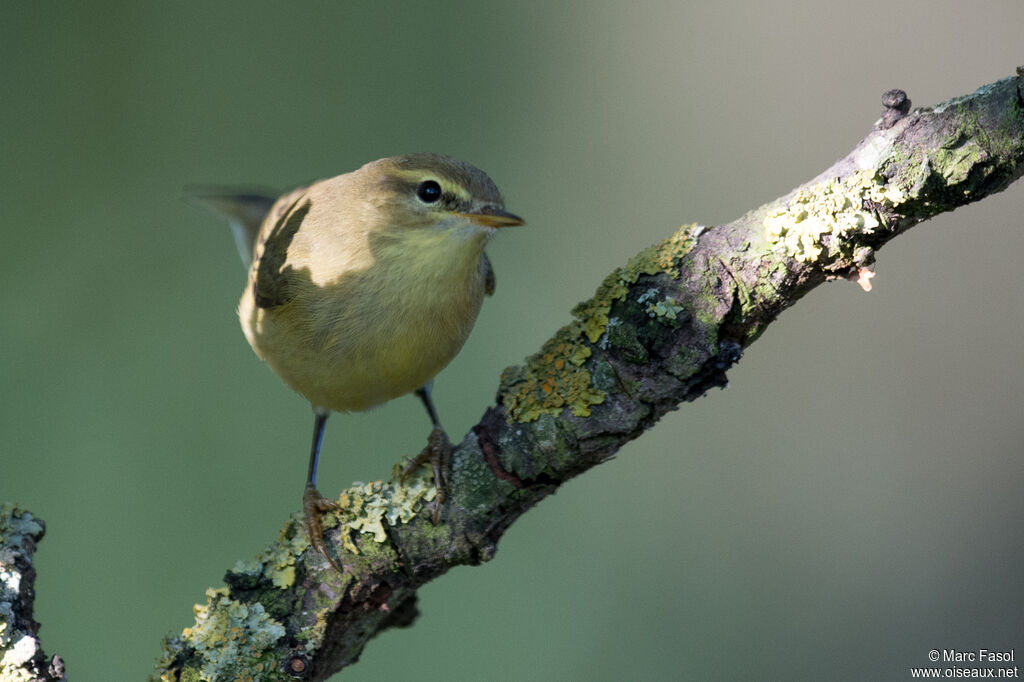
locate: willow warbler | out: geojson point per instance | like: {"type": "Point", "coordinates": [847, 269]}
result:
{"type": "Point", "coordinates": [363, 287]}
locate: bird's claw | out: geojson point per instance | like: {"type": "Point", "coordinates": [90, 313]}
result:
{"type": "Point", "coordinates": [313, 504]}
{"type": "Point", "coordinates": [438, 453]}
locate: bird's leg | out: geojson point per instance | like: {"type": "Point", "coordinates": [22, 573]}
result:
{"type": "Point", "coordinates": [438, 452]}
{"type": "Point", "coordinates": [313, 503]}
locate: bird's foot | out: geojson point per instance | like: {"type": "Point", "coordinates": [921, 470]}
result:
{"type": "Point", "coordinates": [313, 504]}
{"type": "Point", "coordinates": [438, 452]}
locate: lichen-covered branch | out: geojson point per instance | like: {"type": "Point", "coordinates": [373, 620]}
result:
{"type": "Point", "coordinates": [661, 330]}
{"type": "Point", "coordinates": [21, 654]}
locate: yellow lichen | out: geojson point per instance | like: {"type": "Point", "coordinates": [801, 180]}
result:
{"type": "Point", "coordinates": [660, 257]}
{"type": "Point", "coordinates": [366, 507]}
{"type": "Point", "coordinates": [833, 207]}
{"type": "Point", "coordinates": [277, 561]}
{"type": "Point", "coordinates": [555, 377]}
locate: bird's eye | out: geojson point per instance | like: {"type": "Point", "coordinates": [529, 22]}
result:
{"type": "Point", "coordinates": [429, 191]}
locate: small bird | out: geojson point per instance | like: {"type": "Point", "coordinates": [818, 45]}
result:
{"type": "Point", "coordinates": [363, 287]}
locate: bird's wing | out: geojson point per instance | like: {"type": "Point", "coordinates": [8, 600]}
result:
{"type": "Point", "coordinates": [273, 277]}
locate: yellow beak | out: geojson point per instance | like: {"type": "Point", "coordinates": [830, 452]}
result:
{"type": "Point", "coordinates": [491, 216]}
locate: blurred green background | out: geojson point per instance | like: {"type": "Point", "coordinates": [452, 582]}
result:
{"type": "Point", "coordinates": [850, 502]}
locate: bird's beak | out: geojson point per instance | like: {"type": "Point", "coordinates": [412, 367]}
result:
{"type": "Point", "coordinates": [491, 216]}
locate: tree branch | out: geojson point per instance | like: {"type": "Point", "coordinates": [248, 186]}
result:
{"type": "Point", "coordinates": [21, 655]}
{"type": "Point", "coordinates": [661, 330]}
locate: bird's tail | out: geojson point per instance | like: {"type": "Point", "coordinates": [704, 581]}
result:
{"type": "Point", "coordinates": [244, 210]}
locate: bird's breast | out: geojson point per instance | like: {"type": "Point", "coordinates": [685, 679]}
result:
{"type": "Point", "coordinates": [376, 330]}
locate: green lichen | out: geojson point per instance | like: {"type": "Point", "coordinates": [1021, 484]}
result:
{"type": "Point", "coordinates": [366, 507]}
{"type": "Point", "coordinates": [661, 257]}
{"type": "Point", "coordinates": [665, 310]}
{"type": "Point", "coordinates": [277, 562]}
{"type": "Point", "coordinates": [833, 208]}
{"type": "Point", "coordinates": [234, 640]}
{"type": "Point", "coordinates": [955, 163]}
{"type": "Point", "coordinates": [1005, 139]}
{"type": "Point", "coordinates": [555, 378]}
{"type": "Point", "coordinates": [684, 362]}
{"type": "Point", "coordinates": [963, 149]}
{"type": "Point", "coordinates": [963, 163]}
{"type": "Point", "coordinates": [973, 152]}
{"type": "Point", "coordinates": [624, 338]}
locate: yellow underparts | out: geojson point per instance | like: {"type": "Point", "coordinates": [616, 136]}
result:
{"type": "Point", "coordinates": [380, 332]}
